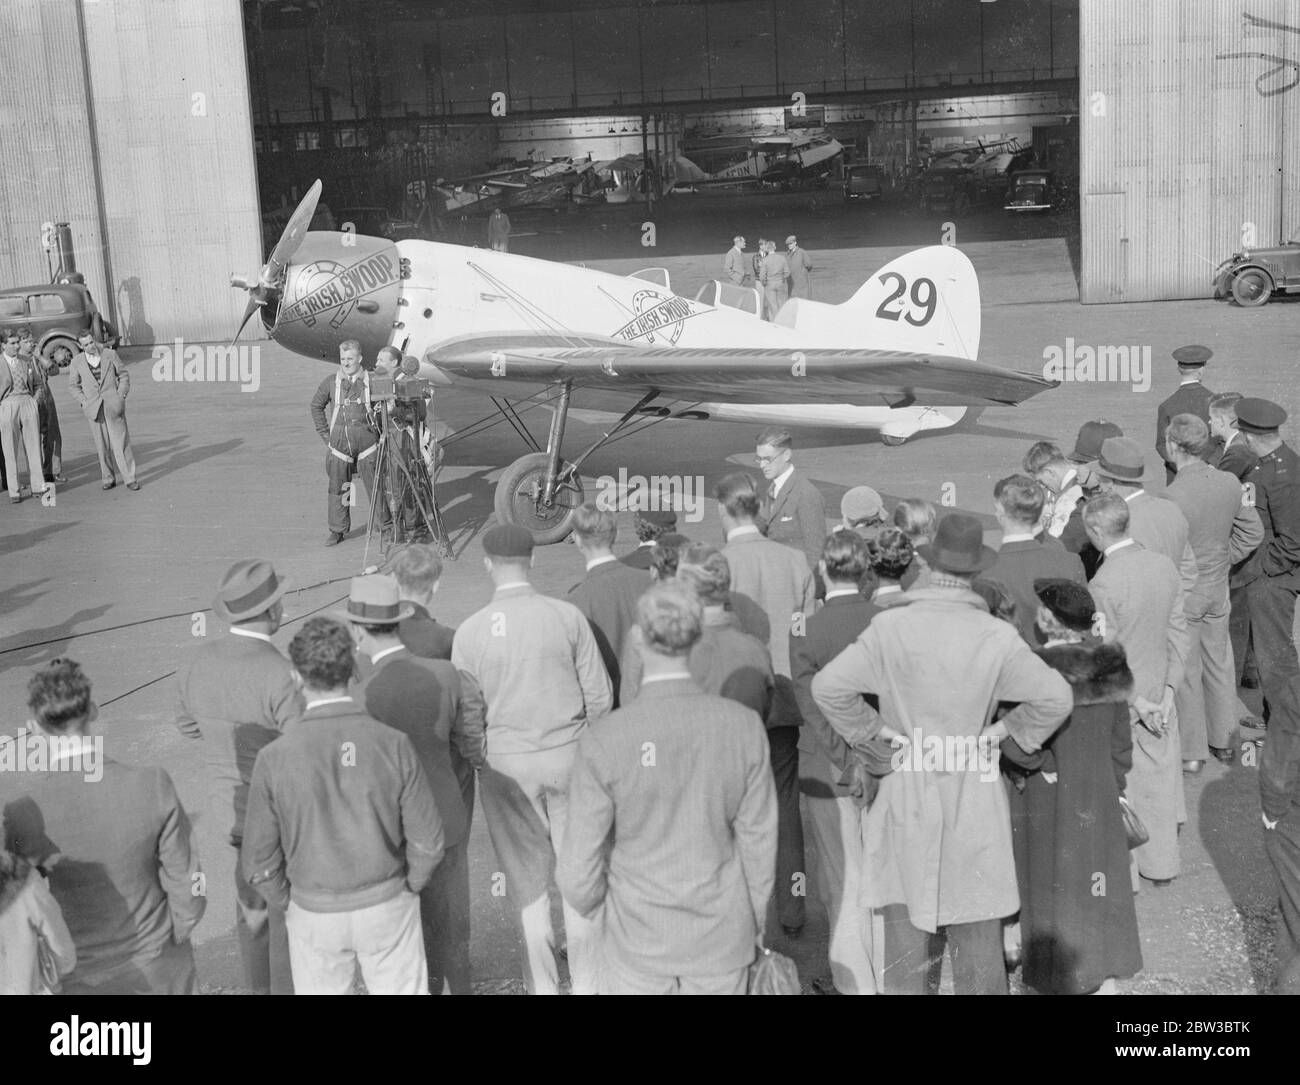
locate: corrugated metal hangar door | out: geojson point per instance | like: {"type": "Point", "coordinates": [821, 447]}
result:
{"type": "Point", "coordinates": [1189, 140]}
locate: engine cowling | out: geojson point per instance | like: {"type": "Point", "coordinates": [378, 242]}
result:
{"type": "Point", "coordinates": [339, 286]}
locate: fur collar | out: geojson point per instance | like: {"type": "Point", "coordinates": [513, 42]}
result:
{"type": "Point", "coordinates": [1097, 673]}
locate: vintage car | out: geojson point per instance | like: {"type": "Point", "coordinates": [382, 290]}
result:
{"type": "Point", "coordinates": [862, 182]}
{"type": "Point", "coordinates": [947, 190]}
{"type": "Point", "coordinates": [56, 313]}
{"type": "Point", "coordinates": [1030, 190]}
{"type": "Point", "coordinates": [1252, 276]}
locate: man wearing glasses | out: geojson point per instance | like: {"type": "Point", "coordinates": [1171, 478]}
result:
{"type": "Point", "coordinates": [100, 383]}
{"type": "Point", "coordinates": [19, 419]}
{"type": "Point", "coordinates": [792, 506]}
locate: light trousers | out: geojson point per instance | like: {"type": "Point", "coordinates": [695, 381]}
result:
{"type": "Point", "coordinates": [108, 431]}
{"type": "Point", "coordinates": [525, 801]}
{"type": "Point", "coordinates": [615, 981]}
{"type": "Point", "coordinates": [1207, 697]}
{"type": "Point", "coordinates": [325, 949]}
{"type": "Point", "coordinates": [20, 423]}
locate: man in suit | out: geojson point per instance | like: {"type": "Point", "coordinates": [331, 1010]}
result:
{"type": "Point", "coordinates": [498, 231]}
{"type": "Point", "coordinates": [680, 856]}
{"type": "Point", "coordinates": [1222, 531]}
{"type": "Point", "coordinates": [607, 595]}
{"type": "Point", "coordinates": [100, 383]}
{"type": "Point", "coordinates": [734, 264]}
{"type": "Point", "coordinates": [779, 580]}
{"type": "Point", "coordinates": [20, 424]}
{"type": "Point", "coordinates": [775, 276]}
{"type": "Point", "coordinates": [1139, 604]}
{"type": "Point", "coordinates": [543, 681]}
{"type": "Point", "coordinates": [1234, 456]}
{"type": "Point", "coordinates": [236, 695]}
{"type": "Point", "coordinates": [829, 774]}
{"type": "Point", "coordinates": [727, 660]}
{"type": "Point", "coordinates": [46, 408]}
{"type": "Point", "coordinates": [1023, 557]}
{"type": "Point", "coordinates": [1156, 523]}
{"type": "Point", "coordinates": [651, 525]}
{"type": "Point", "coordinates": [792, 510]}
{"type": "Point", "coordinates": [801, 266]}
{"type": "Point", "coordinates": [342, 831]}
{"type": "Point", "coordinates": [1192, 397]}
{"type": "Point", "coordinates": [115, 841]}
{"type": "Point", "coordinates": [421, 698]}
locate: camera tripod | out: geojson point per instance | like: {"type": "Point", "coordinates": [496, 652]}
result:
{"type": "Point", "coordinates": [406, 485]}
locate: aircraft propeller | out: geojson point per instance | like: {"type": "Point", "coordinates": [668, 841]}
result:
{"type": "Point", "coordinates": [270, 279]}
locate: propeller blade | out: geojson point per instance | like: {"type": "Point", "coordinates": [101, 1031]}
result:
{"type": "Point", "coordinates": [296, 229]}
{"type": "Point", "coordinates": [253, 305]}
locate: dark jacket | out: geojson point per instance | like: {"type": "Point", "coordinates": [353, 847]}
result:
{"type": "Point", "coordinates": [1236, 458]}
{"type": "Point", "coordinates": [1190, 398]}
{"type": "Point", "coordinates": [1019, 564]}
{"type": "Point", "coordinates": [797, 517]}
{"type": "Point", "coordinates": [608, 596]}
{"type": "Point", "coordinates": [426, 637]}
{"type": "Point", "coordinates": [638, 558]}
{"type": "Point", "coordinates": [340, 814]}
{"type": "Point", "coordinates": [1077, 921]}
{"type": "Point", "coordinates": [421, 698]}
{"type": "Point", "coordinates": [121, 858]}
{"type": "Point", "coordinates": [236, 695]}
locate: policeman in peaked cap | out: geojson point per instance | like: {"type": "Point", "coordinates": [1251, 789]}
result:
{"type": "Point", "coordinates": [1274, 485]}
{"type": "Point", "coordinates": [1192, 397]}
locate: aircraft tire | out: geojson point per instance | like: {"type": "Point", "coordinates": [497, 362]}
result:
{"type": "Point", "coordinates": [892, 441]}
{"type": "Point", "coordinates": [515, 501]}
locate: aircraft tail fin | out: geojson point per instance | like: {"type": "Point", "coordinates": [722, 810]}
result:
{"type": "Point", "coordinates": [926, 301]}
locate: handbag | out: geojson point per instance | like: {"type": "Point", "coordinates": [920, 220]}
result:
{"type": "Point", "coordinates": [773, 974]}
{"type": "Point", "coordinates": [46, 966]}
{"type": "Point", "coordinates": [1134, 830]}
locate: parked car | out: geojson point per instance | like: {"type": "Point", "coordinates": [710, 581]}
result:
{"type": "Point", "coordinates": [1030, 190]}
{"type": "Point", "coordinates": [1252, 276]}
{"type": "Point", "coordinates": [56, 313]}
{"type": "Point", "coordinates": [947, 190]}
{"type": "Point", "coordinates": [863, 182]}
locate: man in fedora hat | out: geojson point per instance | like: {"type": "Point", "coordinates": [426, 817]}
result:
{"type": "Point", "coordinates": [422, 699]}
{"type": "Point", "coordinates": [1154, 522]}
{"type": "Point", "coordinates": [1140, 605]}
{"type": "Point", "coordinates": [938, 836]}
{"type": "Point", "coordinates": [539, 668]}
{"type": "Point", "coordinates": [1192, 397]}
{"type": "Point", "coordinates": [236, 695]}
{"type": "Point", "coordinates": [801, 266]}
{"type": "Point", "coordinates": [342, 831]}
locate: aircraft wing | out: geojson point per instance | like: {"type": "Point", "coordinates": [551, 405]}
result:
{"type": "Point", "coordinates": [737, 374]}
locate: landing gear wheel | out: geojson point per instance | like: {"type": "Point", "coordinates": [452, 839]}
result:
{"type": "Point", "coordinates": [1251, 287]}
{"type": "Point", "coordinates": [518, 498]}
{"type": "Point", "coordinates": [891, 440]}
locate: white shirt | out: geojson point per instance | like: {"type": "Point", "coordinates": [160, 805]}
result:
{"type": "Point", "coordinates": [745, 529]}
{"type": "Point", "coordinates": [600, 561]}
{"type": "Point", "coordinates": [1135, 493]}
{"type": "Point", "coordinates": [326, 700]}
{"type": "Point", "coordinates": [1019, 536]}
{"type": "Point", "coordinates": [68, 749]}
{"type": "Point", "coordinates": [513, 584]}
{"type": "Point", "coordinates": [1116, 546]}
{"type": "Point", "coordinates": [386, 652]}
{"type": "Point", "coordinates": [1231, 437]}
{"type": "Point", "coordinates": [840, 591]}
{"type": "Point", "coordinates": [781, 480]}
{"type": "Point", "coordinates": [887, 589]}
{"type": "Point", "coordinates": [237, 632]}
{"type": "Point", "coordinates": [675, 676]}
{"type": "Point", "coordinates": [1189, 380]}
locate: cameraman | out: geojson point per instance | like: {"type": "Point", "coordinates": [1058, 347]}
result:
{"type": "Point", "coordinates": [405, 476]}
{"type": "Point", "coordinates": [351, 435]}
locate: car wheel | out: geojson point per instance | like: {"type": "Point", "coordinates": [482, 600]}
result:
{"type": "Point", "coordinates": [59, 351]}
{"type": "Point", "coordinates": [1251, 287]}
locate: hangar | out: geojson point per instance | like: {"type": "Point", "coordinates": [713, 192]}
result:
{"type": "Point", "coordinates": [170, 144]}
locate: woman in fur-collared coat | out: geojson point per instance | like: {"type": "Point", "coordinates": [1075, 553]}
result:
{"type": "Point", "coordinates": [1077, 922]}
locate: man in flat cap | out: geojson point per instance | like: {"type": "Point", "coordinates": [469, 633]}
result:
{"type": "Point", "coordinates": [539, 668]}
{"type": "Point", "coordinates": [236, 695]}
{"type": "Point", "coordinates": [650, 526]}
{"type": "Point", "coordinates": [1274, 485]}
{"type": "Point", "coordinates": [1192, 397]}
{"type": "Point", "coordinates": [801, 266]}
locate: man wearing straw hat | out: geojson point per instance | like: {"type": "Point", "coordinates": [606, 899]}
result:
{"type": "Point", "coordinates": [422, 699]}
{"type": "Point", "coordinates": [236, 695]}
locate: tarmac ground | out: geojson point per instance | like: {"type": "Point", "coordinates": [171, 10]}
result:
{"type": "Point", "coordinates": [121, 581]}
